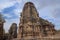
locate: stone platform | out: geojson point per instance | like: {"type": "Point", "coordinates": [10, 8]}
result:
{"type": "Point", "coordinates": [44, 38]}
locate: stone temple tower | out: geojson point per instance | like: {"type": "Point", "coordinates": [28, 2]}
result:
{"type": "Point", "coordinates": [31, 25]}
{"type": "Point", "coordinates": [13, 30]}
{"type": "Point", "coordinates": [2, 21]}
{"type": "Point", "coordinates": [29, 22]}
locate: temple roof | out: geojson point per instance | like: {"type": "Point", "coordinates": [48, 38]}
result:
{"type": "Point", "coordinates": [45, 22]}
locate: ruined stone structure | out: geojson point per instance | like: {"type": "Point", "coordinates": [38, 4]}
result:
{"type": "Point", "coordinates": [33, 26]}
{"type": "Point", "coordinates": [13, 31]}
{"type": "Point", "coordinates": [2, 21]}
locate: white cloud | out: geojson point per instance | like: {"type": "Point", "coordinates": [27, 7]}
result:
{"type": "Point", "coordinates": [7, 15]}
{"type": "Point", "coordinates": [5, 4]}
{"type": "Point", "coordinates": [17, 12]}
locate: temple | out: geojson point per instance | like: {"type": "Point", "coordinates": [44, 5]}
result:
{"type": "Point", "coordinates": [33, 26]}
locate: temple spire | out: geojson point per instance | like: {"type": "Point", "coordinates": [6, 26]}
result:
{"type": "Point", "coordinates": [29, 12]}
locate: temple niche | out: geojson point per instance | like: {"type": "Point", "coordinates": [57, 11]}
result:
{"type": "Point", "coordinates": [2, 21]}
{"type": "Point", "coordinates": [33, 26]}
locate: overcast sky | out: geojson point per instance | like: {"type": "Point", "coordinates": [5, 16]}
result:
{"type": "Point", "coordinates": [47, 9]}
